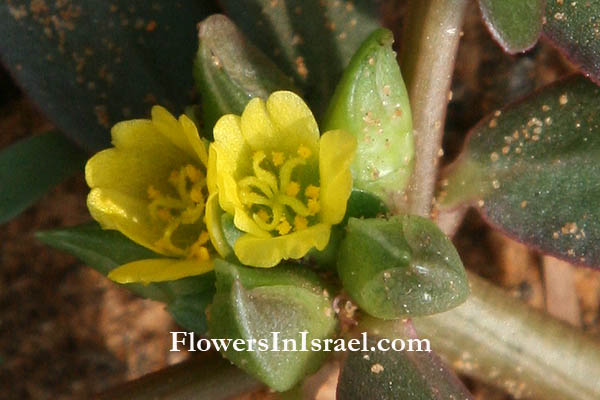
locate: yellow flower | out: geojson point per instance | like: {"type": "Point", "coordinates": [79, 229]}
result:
{"type": "Point", "coordinates": [151, 186]}
{"type": "Point", "coordinates": [284, 185]}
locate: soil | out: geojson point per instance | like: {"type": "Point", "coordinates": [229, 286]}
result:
{"type": "Point", "coordinates": [67, 332]}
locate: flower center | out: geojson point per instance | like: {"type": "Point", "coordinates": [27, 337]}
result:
{"type": "Point", "coordinates": [281, 196]}
{"type": "Point", "coordinates": [183, 214]}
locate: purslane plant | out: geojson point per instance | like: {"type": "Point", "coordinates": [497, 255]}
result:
{"type": "Point", "coordinates": [315, 209]}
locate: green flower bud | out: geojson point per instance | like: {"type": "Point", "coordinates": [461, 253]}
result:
{"type": "Point", "coordinates": [371, 102]}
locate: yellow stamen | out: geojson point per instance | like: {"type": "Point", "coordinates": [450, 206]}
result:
{"type": "Point", "coordinates": [153, 193]}
{"type": "Point", "coordinates": [203, 238]}
{"type": "Point", "coordinates": [252, 181]}
{"type": "Point", "coordinates": [261, 173]}
{"type": "Point", "coordinates": [278, 158]}
{"type": "Point", "coordinates": [285, 172]}
{"type": "Point", "coordinates": [258, 156]}
{"type": "Point", "coordinates": [196, 194]}
{"type": "Point", "coordinates": [312, 192]}
{"type": "Point", "coordinates": [174, 178]}
{"type": "Point", "coordinates": [296, 205]}
{"type": "Point", "coordinates": [251, 198]}
{"type": "Point", "coordinates": [313, 206]}
{"type": "Point", "coordinates": [263, 215]}
{"type": "Point", "coordinates": [293, 188]}
{"type": "Point", "coordinates": [163, 214]}
{"type": "Point", "coordinates": [300, 223]}
{"type": "Point", "coordinates": [304, 152]}
{"type": "Point", "coordinates": [284, 227]}
{"type": "Point", "coordinates": [193, 173]}
{"type": "Point", "coordinates": [199, 252]}
{"type": "Point", "coordinates": [185, 208]}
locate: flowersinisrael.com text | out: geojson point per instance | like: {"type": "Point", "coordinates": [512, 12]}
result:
{"type": "Point", "coordinates": [187, 341]}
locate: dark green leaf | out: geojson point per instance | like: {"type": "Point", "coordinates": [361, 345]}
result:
{"type": "Point", "coordinates": [89, 64]}
{"type": "Point", "coordinates": [189, 311]}
{"type": "Point", "coordinates": [252, 303]}
{"type": "Point", "coordinates": [363, 204]}
{"type": "Point", "coordinates": [105, 250]}
{"type": "Point", "coordinates": [534, 171]}
{"type": "Point", "coordinates": [371, 102]}
{"type": "Point", "coordinates": [229, 70]}
{"type": "Point", "coordinates": [404, 266]}
{"type": "Point", "coordinates": [573, 27]}
{"type": "Point", "coordinates": [407, 375]}
{"type": "Point", "coordinates": [311, 40]}
{"type": "Point", "coordinates": [31, 167]}
{"type": "Point", "coordinates": [515, 24]}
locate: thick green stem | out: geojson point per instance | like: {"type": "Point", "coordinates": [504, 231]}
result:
{"type": "Point", "coordinates": [210, 377]}
{"type": "Point", "coordinates": [433, 30]}
{"type": "Point", "coordinates": [500, 340]}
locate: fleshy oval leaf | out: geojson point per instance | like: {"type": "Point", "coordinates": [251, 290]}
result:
{"type": "Point", "coordinates": [312, 41]}
{"type": "Point", "coordinates": [515, 24]}
{"type": "Point", "coordinates": [32, 166]}
{"type": "Point", "coordinates": [417, 375]}
{"type": "Point", "coordinates": [400, 267]}
{"type": "Point", "coordinates": [105, 250]}
{"type": "Point", "coordinates": [572, 26]}
{"type": "Point", "coordinates": [89, 64]}
{"type": "Point", "coordinates": [252, 303]}
{"type": "Point", "coordinates": [229, 70]}
{"type": "Point", "coordinates": [533, 170]}
{"type": "Point", "coordinates": [371, 102]}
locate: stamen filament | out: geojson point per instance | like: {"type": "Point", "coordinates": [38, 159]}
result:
{"type": "Point", "coordinates": [285, 173]}
{"type": "Point", "coordinates": [295, 204]}
{"type": "Point", "coordinates": [262, 173]}
{"type": "Point", "coordinates": [251, 198]}
{"type": "Point", "coordinates": [249, 181]}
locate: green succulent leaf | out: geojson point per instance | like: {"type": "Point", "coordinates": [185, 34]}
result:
{"type": "Point", "coordinates": [310, 40]}
{"type": "Point", "coordinates": [89, 64]}
{"type": "Point", "coordinates": [572, 26]}
{"type": "Point", "coordinates": [32, 166]}
{"type": "Point", "coordinates": [382, 375]}
{"type": "Point", "coordinates": [229, 70]}
{"type": "Point", "coordinates": [189, 311]}
{"type": "Point", "coordinates": [400, 267]}
{"type": "Point", "coordinates": [371, 102]}
{"type": "Point", "coordinates": [104, 250]}
{"type": "Point", "coordinates": [252, 303]}
{"type": "Point", "coordinates": [515, 24]}
{"type": "Point", "coordinates": [533, 169]}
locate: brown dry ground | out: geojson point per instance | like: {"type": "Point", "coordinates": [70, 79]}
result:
{"type": "Point", "coordinates": [66, 332]}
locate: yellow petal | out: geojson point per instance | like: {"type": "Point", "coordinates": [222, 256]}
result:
{"type": "Point", "coordinates": [141, 157]}
{"type": "Point", "coordinates": [268, 252]}
{"type": "Point", "coordinates": [221, 178]}
{"type": "Point", "coordinates": [193, 138]}
{"type": "Point", "coordinates": [183, 133]}
{"type": "Point", "coordinates": [159, 270]}
{"type": "Point", "coordinates": [336, 153]}
{"type": "Point", "coordinates": [213, 225]}
{"type": "Point", "coordinates": [228, 136]}
{"type": "Point", "coordinates": [257, 128]}
{"type": "Point", "coordinates": [294, 121]}
{"type": "Point", "coordinates": [129, 215]}
{"type": "Point", "coordinates": [211, 170]}
{"type": "Point", "coordinates": [230, 157]}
